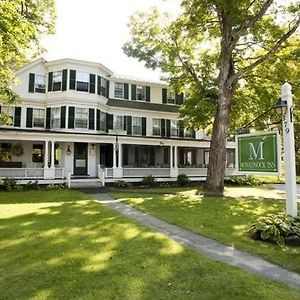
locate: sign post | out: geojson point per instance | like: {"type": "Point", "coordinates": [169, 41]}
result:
{"type": "Point", "coordinates": [289, 152]}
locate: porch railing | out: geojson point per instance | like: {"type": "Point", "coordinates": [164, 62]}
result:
{"type": "Point", "coordinates": [193, 171]}
{"type": "Point", "coordinates": [59, 173]}
{"type": "Point", "coordinates": [22, 173]}
{"type": "Point", "coordinates": [141, 172]}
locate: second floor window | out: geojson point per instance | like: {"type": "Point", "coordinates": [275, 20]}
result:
{"type": "Point", "coordinates": [118, 122]}
{"type": "Point", "coordinates": [102, 121]}
{"type": "Point", "coordinates": [38, 119]}
{"type": "Point", "coordinates": [140, 93]}
{"type": "Point", "coordinates": [170, 97]}
{"type": "Point", "coordinates": [174, 128]}
{"type": "Point", "coordinates": [57, 81]}
{"type": "Point", "coordinates": [40, 84]}
{"type": "Point", "coordinates": [82, 81]}
{"type": "Point", "coordinates": [156, 126]}
{"type": "Point", "coordinates": [119, 90]}
{"type": "Point", "coordinates": [104, 85]}
{"type": "Point", "coordinates": [55, 117]}
{"type": "Point", "coordinates": [137, 125]}
{"type": "Point", "coordinates": [81, 117]}
{"type": "Point", "coordinates": [188, 133]}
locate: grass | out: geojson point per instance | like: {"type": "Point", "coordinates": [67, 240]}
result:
{"type": "Point", "coordinates": [273, 179]}
{"type": "Point", "coordinates": [223, 219]}
{"type": "Point", "coordinates": [62, 244]}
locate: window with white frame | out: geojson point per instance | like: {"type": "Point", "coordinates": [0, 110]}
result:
{"type": "Point", "coordinates": [103, 86]}
{"type": "Point", "coordinates": [187, 132]}
{"type": "Point", "coordinates": [119, 90]}
{"type": "Point", "coordinates": [118, 122]}
{"type": "Point", "coordinates": [10, 112]}
{"type": "Point", "coordinates": [55, 117]}
{"type": "Point", "coordinates": [102, 121]}
{"type": "Point", "coordinates": [81, 117]}
{"type": "Point", "coordinates": [140, 93]}
{"type": "Point", "coordinates": [170, 97]}
{"type": "Point", "coordinates": [156, 129]}
{"type": "Point", "coordinates": [57, 81]}
{"type": "Point", "coordinates": [40, 83]}
{"type": "Point", "coordinates": [174, 128]}
{"type": "Point", "coordinates": [38, 117]}
{"type": "Point", "coordinates": [82, 81]}
{"type": "Point", "coordinates": [137, 125]}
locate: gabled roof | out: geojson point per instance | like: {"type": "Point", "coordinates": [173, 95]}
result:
{"type": "Point", "coordinates": [31, 64]}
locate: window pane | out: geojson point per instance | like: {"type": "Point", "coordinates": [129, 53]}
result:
{"type": "Point", "coordinates": [81, 118]}
{"type": "Point", "coordinates": [103, 121]}
{"type": "Point", "coordinates": [140, 92]}
{"type": "Point", "coordinates": [40, 83]}
{"type": "Point", "coordinates": [55, 117]}
{"type": "Point", "coordinates": [156, 126]}
{"type": "Point", "coordinates": [118, 122]}
{"type": "Point", "coordinates": [57, 79]}
{"type": "Point", "coordinates": [174, 128]}
{"type": "Point", "coordinates": [38, 118]}
{"type": "Point", "coordinates": [119, 87]}
{"type": "Point", "coordinates": [82, 81]}
{"type": "Point", "coordinates": [170, 97]}
{"type": "Point", "coordinates": [137, 125]}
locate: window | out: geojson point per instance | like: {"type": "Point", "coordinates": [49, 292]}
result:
{"type": "Point", "coordinates": [103, 87]}
{"type": "Point", "coordinates": [102, 121]}
{"type": "Point", "coordinates": [55, 117]}
{"type": "Point", "coordinates": [188, 133]}
{"type": "Point", "coordinates": [82, 81]}
{"type": "Point", "coordinates": [137, 125]}
{"type": "Point", "coordinates": [40, 84]}
{"type": "Point", "coordinates": [140, 93]}
{"type": "Point", "coordinates": [57, 81]}
{"type": "Point", "coordinates": [38, 119]}
{"type": "Point", "coordinates": [170, 97]}
{"type": "Point", "coordinates": [156, 126]}
{"type": "Point", "coordinates": [119, 90]}
{"type": "Point", "coordinates": [118, 122]}
{"type": "Point", "coordinates": [10, 112]}
{"type": "Point", "coordinates": [38, 153]}
{"type": "Point", "coordinates": [174, 128]}
{"type": "Point", "coordinates": [81, 117]}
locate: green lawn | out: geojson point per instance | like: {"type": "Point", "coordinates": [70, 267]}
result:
{"type": "Point", "coordinates": [61, 244]}
{"type": "Point", "coordinates": [223, 219]}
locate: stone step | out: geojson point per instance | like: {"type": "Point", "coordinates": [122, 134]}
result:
{"type": "Point", "coordinates": [86, 183]}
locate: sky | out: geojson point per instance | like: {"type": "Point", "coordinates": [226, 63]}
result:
{"type": "Point", "coordinates": [95, 30]}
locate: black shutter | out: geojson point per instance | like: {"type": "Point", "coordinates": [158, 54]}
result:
{"type": "Point", "coordinates": [71, 119]}
{"type": "Point", "coordinates": [133, 92]}
{"type": "Point", "coordinates": [63, 117]}
{"type": "Point", "coordinates": [143, 126]}
{"type": "Point", "coordinates": [126, 91]}
{"type": "Point", "coordinates": [91, 118]}
{"type": "Point", "coordinates": [168, 128]}
{"type": "Point", "coordinates": [179, 99]}
{"type": "Point", "coordinates": [98, 119]}
{"type": "Point", "coordinates": [125, 123]}
{"type": "Point", "coordinates": [17, 118]}
{"type": "Point", "coordinates": [0, 108]}
{"type": "Point", "coordinates": [164, 95]}
{"type": "Point", "coordinates": [193, 134]}
{"type": "Point", "coordinates": [50, 81]}
{"type": "Point", "coordinates": [148, 93]}
{"type": "Point", "coordinates": [109, 121]}
{"type": "Point", "coordinates": [181, 129]}
{"type": "Point", "coordinates": [92, 83]}
{"type": "Point", "coordinates": [72, 83]}
{"type": "Point", "coordinates": [163, 127]}
{"type": "Point", "coordinates": [129, 125]}
{"type": "Point", "coordinates": [64, 79]}
{"type": "Point", "coordinates": [48, 117]}
{"type": "Point", "coordinates": [98, 85]}
{"type": "Point", "coordinates": [31, 83]}
{"type": "Point", "coordinates": [107, 89]}
{"type": "Point", "coordinates": [29, 114]}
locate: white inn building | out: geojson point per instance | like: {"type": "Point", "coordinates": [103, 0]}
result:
{"type": "Point", "coordinates": [80, 123]}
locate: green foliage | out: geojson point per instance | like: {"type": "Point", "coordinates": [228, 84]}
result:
{"type": "Point", "coordinates": [10, 184]}
{"type": "Point", "coordinates": [31, 186]}
{"type": "Point", "coordinates": [22, 25]}
{"type": "Point", "coordinates": [275, 228]}
{"type": "Point", "coordinates": [242, 180]}
{"type": "Point", "coordinates": [182, 179]}
{"type": "Point", "coordinates": [17, 149]}
{"type": "Point", "coordinates": [121, 184]}
{"type": "Point", "coordinates": [149, 181]}
{"type": "Point", "coordinates": [60, 186]}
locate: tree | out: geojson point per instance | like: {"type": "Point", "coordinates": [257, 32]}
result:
{"type": "Point", "coordinates": [22, 25]}
{"type": "Point", "coordinates": [209, 48]}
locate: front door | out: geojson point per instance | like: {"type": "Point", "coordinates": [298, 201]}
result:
{"type": "Point", "coordinates": [80, 158]}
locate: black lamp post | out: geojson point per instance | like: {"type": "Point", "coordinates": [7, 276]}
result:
{"type": "Point", "coordinates": [281, 107]}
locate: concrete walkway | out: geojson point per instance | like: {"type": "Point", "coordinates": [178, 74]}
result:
{"type": "Point", "coordinates": [280, 188]}
{"type": "Point", "coordinates": [204, 246]}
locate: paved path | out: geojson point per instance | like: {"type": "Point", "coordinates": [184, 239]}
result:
{"type": "Point", "coordinates": [280, 188]}
{"type": "Point", "coordinates": [203, 245]}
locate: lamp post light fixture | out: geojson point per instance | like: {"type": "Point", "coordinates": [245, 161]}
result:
{"type": "Point", "coordinates": [284, 109]}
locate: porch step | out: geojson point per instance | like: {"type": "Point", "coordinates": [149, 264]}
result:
{"type": "Point", "coordinates": [86, 183]}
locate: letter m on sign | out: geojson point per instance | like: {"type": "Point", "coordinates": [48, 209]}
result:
{"type": "Point", "coordinates": [258, 153]}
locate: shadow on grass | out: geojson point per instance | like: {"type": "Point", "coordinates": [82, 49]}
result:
{"type": "Point", "coordinates": [83, 250]}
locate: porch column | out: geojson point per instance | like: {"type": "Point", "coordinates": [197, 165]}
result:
{"type": "Point", "coordinates": [120, 156]}
{"type": "Point", "coordinates": [114, 155]}
{"type": "Point", "coordinates": [46, 154]}
{"type": "Point", "coordinates": [171, 157]}
{"type": "Point", "coordinates": [52, 154]}
{"type": "Point", "coordinates": [173, 166]}
{"type": "Point", "coordinates": [175, 157]}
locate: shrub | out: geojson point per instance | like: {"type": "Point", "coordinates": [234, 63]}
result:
{"type": "Point", "coordinates": [60, 186]}
{"type": "Point", "coordinates": [182, 179]}
{"type": "Point", "coordinates": [10, 184]}
{"type": "Point", "coordinates": [275, 228]}
{"type": "Point", "coordinates": [31, 186]}
{"type": "Point", "coordinates": [149, 181]}
{"type": "Point", "coordinates": [239, 181]}
{"type": "Point", "coordinates": [122, 184]}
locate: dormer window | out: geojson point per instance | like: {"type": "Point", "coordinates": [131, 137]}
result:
{"type": "Point", "coordinates": [57, 81]}
{"type": "Point", "coordinates": [140, 93]}
{"type": "Point", "coordinates": [82, 81]}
